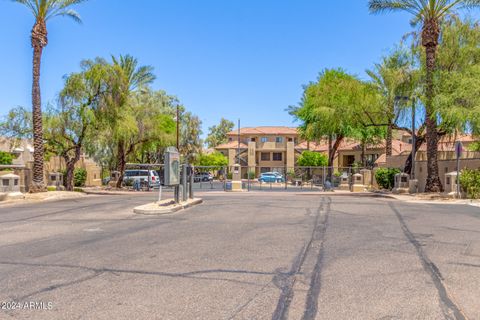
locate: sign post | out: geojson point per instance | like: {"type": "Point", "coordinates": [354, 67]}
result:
{"type": "Point", "coordinates": [458, 153]}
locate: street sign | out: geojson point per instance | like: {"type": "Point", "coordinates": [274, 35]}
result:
{"type": "Point", "coordinates": [172, 167]}
{"type": "Point", "coordinates": [458, 149]}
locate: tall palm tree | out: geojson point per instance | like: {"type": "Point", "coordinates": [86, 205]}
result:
{"type": "Point", "coordinates": [390, 79]}
{"type": "Point", "coordinates": [43, 11]}
{"type": "Point", "coordinates": [430, 14]}
{"type": "Point", "coordinates": [128, 77]}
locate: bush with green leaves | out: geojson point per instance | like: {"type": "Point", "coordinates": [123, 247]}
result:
{"type": "Point", "coordinates": [250, 175]}
{"type": "Point", "coordinates": [79, 177]}
{"type": "Point", "coordinates": [216, 159]}
{"type": "Point", "coordinates": [470, 183]}
{"type": "Point", "coordinates": [6, 158]}
{"type": "Point", "coordinates": [386, 177]}
{"type": "Point", "coordinates": [312, 159]}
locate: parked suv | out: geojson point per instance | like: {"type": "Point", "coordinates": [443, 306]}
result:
{"type": "Point", "coordinates": [203, 177]}
{"type": "Point", "coordinates": [271, 177]}
{"type": "Point", "coordinates": [145, 177]}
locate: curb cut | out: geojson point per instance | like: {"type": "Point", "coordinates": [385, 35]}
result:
{"type": "Point", "coordinates": [172, 209]}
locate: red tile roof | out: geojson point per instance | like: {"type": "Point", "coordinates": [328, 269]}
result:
{"type": "Point", "coordinates": [232, 145]}
{"type": "Point", "coordinates": [265, 130]}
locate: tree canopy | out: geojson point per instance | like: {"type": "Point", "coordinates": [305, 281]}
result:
{"type": "Point", "coordinates": [218, 134]}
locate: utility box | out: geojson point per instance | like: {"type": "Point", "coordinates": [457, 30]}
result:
{"type": "Point", "coordinates": [401, 183]}
{"type": "Point", "coordinates": [10, 183]}
{"type": "Point", "coordinates": [451, 184]}
{"type": "Point", "coordinates": [344, 182]}
{"type": "Point", "coordinates": [358, 183]}
{"type": "Point", "coordinates": [172, 167]}
{"type": "Point", "coordinates": [237, 185]}
{"type": "Point", "coordinates": [367, 177]}
{"type": "Point", "coordinates": [55, 179]}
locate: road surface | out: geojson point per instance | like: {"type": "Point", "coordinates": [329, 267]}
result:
{"type": "Point", "coordinates": [240, 256]}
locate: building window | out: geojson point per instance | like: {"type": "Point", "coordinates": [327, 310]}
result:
{"type": "Point", "coordinates": [277, 156]}
{"type": "Point", "coordinates": [290, 139]}
{"type": "Point", "coordinates": [264, 139]}
{"type": "Point", "coordinates": [230, 139]}
{"type": "Point", "coordinates": [265, 156]}
{"type": "Point", "coordinates": [279, 140]}
{"type": "Point", "coordinates": [253, 139]}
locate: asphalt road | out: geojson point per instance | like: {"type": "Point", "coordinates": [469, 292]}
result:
{"type": "Point", "coordinates": [241, 256]}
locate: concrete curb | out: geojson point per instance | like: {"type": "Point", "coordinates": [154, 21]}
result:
{"type": "Point", "coordinates": [114, 193]}
{"type": "Point", "coordinates": [153, 209]}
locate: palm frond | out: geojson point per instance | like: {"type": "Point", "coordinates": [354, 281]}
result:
{"type": "Point", "coordinates": [47, 9]}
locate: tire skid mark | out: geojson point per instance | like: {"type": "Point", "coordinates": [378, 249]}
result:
{"type": "Point", "coordinates": [286, 281]}
{"type": "Point", "coordinates": [450, 309]}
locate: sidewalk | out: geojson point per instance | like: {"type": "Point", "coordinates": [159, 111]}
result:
{"type": "Point", "coordinates": [44, 196]}
{"type": "Point", "coordinates": [431, 198]}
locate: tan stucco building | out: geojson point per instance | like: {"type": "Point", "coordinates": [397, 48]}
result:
{"type": "Point", "coordinates": [265, 149]}
{"type": "Point", "coordinates": [22, 150]}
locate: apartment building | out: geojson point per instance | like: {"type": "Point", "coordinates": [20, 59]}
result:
{"type": "Point", "coordinates": [262, 149]}
{"type": "Point", "coordinates": [265, 149]}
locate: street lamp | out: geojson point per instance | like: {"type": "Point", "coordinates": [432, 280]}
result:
{"type": "Point", "coordinates": [178, 128]}
{"type": "Point", "coordinates": [414, 136]}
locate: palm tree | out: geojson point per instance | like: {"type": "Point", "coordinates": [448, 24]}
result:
{"type": "Point", "coordinates": [43, 11]}
{"type": "Point", "coordinates": [128, 77]}
{"type": "Point", "coordinates": [390, 79]}
{"type": "Point", "coordinates": [430, 14]}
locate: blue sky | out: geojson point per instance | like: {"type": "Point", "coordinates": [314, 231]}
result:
{"type": "Point", "coordinates": [243, 59]}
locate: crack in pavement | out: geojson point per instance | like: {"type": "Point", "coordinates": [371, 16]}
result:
{"type": "Point", "coordinates": [449, 308]}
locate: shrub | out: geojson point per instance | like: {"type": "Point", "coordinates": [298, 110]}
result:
{"type": "Point", "coordinates": [312, 159]}
{"type": "Point", "coordinates": [250, 175]}
{"type": "Point", "coordinates": [470, 182]}
{"type": "Point", "coordinates": [6, 158]}
{"type": "Point", "coordinates": [79, 177]}
{"type": "Point", "coordinates": [230, 175]}
{"type": "Point", "coordinates": [386, 177]}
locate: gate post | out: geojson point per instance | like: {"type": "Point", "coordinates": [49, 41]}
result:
{"type": "Point", "coordinates": [184, 183]}
{"type": "Point", "coordinates": [190, 187]}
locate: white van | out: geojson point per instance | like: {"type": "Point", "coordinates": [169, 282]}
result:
{"type": "Point", "coordinates": [143, 176]}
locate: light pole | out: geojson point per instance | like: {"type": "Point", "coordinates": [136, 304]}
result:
{"type": "Point", "coordinates": [178, 128]}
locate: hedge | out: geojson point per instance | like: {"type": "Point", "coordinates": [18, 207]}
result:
{"type": "Point", "coordinates": [470, 182]}
{"type": "Point", "coordinates": [386, 177]}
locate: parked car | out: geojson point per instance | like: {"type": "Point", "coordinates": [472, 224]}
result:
{"type": "Point", "coordinates": [203, 177]}
{"type": "Point", "coordinates": [271, 177]}
{"type": "Point", "coordinates": [145, 177]}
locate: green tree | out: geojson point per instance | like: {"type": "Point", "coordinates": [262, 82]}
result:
{"type": "Point", "coordinates": [43, 11]}
{"type": "Point", "coordinates": [6, 158]}
{"type": "Point", "coordinates": [70, 125]}
{"type": "Point", "coordinates": [430, 15]}
{"type": "Point", "coordinates": [330, 109]}
{"type": "Point", "coordinates": [120, 117]}
{"type": "Point", "coordinates": [312, 159]}
{"type": "Point", "coordinates": [216, 159]}
{"type": "Point", "coordinates": [190, 132]}
{"type": "Point", "coordinates": [218, 134]}
{"type": "Point", "coordinates": [392, 78]}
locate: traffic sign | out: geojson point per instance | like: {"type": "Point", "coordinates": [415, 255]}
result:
{"type": "Point", "coordinates": [458, 149]}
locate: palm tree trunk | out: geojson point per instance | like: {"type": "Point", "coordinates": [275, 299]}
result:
{"type": "Point", "coordinates": [121, 163]}
{"type": "Point", "coordinates": [39, 41]}
{"type": "Point", "coordinates": [430, 36]}
{"type": "Point", "coordinates": [364, 153]}
{"type": "Point", "coordinates": [389, 139]}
